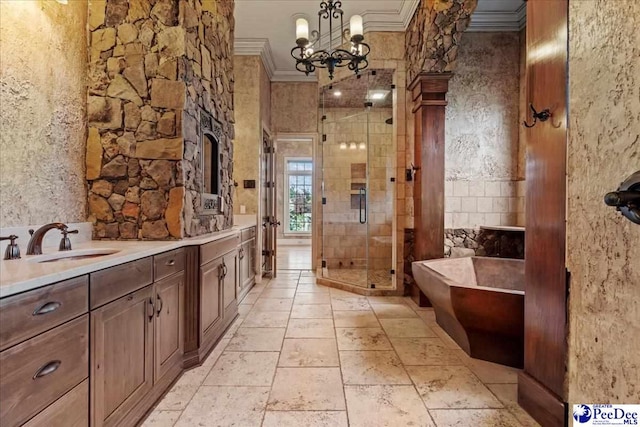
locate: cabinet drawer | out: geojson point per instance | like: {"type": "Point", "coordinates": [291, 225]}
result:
{"type": "Point", "coordinates": [37, 372]}
{"type": "Point", "coordinates": [249, 233]}
{"type": "Point", "coordinates": [112, 283]}
{"type": "Point", "coordinates": [216, 249]}
{"type": "Point", "coordinates": [71, 410]}
{"type": "Point", "coordinates": [26, 315]}
{"type": "Point", "coordinates": [166, 264]}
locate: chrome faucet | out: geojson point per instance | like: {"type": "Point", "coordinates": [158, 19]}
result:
{"type": "Point", "coordinates": [35, 243]}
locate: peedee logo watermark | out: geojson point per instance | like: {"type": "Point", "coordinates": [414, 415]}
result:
{"type": "Point", "coordinates": [606, 415]}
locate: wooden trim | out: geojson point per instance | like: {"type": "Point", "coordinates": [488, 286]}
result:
{"type": "Point", "coordinates": [544, 406]}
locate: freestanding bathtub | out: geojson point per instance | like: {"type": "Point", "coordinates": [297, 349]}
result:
{"type": "Point", "coordinates": [479, 301]}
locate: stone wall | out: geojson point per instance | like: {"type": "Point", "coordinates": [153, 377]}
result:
{"type": "Point", "coordinates": [42, 110]}
{"type": "Point", "coordinates": [482, 133]}
{"type": "Point", "coordinates": [153, 67]}
{"type": "Point", "coordinates": [483, 242]}
{"type": "Point", "coordinates": [209, 78]}
{"type": "Point", "coordinates": [433, 36]}
{"type": "Point", "coordinates": [602, 247]}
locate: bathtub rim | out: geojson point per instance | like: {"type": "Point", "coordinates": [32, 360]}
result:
{"type": "Point", "coordinates": [424, 264]}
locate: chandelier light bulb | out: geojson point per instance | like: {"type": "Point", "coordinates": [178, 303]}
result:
{"type": "Point", "coordinates": [363, 146]}
{"type": "Point", "coordinates": [356, 28]}
{"type": "Point", "coordinates": [302, 31]}
{"type": "Point", "coordinates": [352, 146]}
{"type": "Point", "coordinates": [343, 145]}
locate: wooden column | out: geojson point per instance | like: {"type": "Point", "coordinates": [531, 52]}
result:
{"type": "Point", "coordinates": [428, 92]}
{"type": "Point", "coordinates": [541, 386]}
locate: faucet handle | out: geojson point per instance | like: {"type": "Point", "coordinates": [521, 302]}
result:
{"type": "Point", "coordinates": [12, 251]}
{"type": "Point", "coordinates": [65, 243]}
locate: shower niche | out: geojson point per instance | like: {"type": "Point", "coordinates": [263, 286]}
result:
{"type": "Point", "coordinates": [357, 155]}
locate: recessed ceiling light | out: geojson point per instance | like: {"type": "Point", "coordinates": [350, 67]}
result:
{"type": "Point", "coordinates": [377, 95]}
{"type": "Point", "coordinates": [337, 93]}
{"type": "Point", "coordinates": [63, 1]}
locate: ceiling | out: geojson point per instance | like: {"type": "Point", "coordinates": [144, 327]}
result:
{"type": "Point", "coordinates": [267, 27]}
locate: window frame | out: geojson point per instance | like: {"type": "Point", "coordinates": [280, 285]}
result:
{"type": "Point", "coordinates": [286, 200]}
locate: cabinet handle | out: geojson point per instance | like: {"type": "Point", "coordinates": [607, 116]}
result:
{"type": "Point", "coordinates": [241, 255]}
{"type": "Point", "coordinates": [161, 305]}
{"type": "Point", "coordinates": [224, 270]}
{"type": "Point", "coordinates": [46, 308]}
{"type": "Point", "coordinates": [170, 263]}
{"type": "Point", "coordinates": [47, 368]}
{"type": "Point", "coordinates": [152, 310]}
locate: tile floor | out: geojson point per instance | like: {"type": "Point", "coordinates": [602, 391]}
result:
{"type": "Point", "coordinates": [305, 355]}
{"type": "Point", "coordinates": [293, 257]}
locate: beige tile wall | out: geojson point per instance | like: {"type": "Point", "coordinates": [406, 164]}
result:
{"type": "Point", "coordinates": [470, 204]}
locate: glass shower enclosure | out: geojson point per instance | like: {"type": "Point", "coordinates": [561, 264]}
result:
{"type": "Point", "coordinates": [357, 158]}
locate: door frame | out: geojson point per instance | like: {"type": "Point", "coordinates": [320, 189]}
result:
{"type": "Point", "coordinates": [316, 180]}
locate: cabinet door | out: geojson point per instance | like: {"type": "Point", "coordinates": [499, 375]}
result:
{"type": "Point", "coordinates": [169, 324]}
{"type": "Point", "coordinates": [243, 266]}
{"type": "Point", "coordinates": [230, 273]}
{"type": "Point", "coordinates": [251, 257]}
{"type": "Point", "coordinates": [121, 356]}
{"type": "Point", "coordinates": [210, 295]}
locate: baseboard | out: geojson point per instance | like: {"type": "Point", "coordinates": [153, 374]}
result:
{"type": "Point", "coordinates": [543, 405]}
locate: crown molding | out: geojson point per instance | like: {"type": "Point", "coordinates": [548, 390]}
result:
{"type": "Point", "coordinates": [499, 21]}
{"type": "Point", "coordinates": [293, 76]}
{"type": "Point", "coordinates": [256, 47]}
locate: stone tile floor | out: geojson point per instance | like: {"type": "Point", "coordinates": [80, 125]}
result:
{"type": "Point", "coordinates": [305, 355]}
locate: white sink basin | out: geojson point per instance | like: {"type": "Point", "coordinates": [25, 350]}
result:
{"type": "Point", "coordinates": [73, 255]}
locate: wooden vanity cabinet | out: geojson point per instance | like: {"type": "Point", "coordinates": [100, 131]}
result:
{"type": "Point", "coordinates": [137, 341]}
{"type": "Point", "coordinates": [44, 336]}
{"type": "Point", "coordinates": [246, 261]}
{"type": "Point", "coordinates": [217, 292]}
{"type": "Point", "coordinates": [121, 356]}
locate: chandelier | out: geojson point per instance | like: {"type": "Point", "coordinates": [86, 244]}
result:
{"type": "Point", "coordinates": [307, 54]}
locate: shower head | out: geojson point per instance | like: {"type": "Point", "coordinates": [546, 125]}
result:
{"type": "Point", "coordinates": [389, 121]}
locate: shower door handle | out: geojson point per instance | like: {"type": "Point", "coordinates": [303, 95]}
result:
{"type": "Point", "coordinates": [363, 206]}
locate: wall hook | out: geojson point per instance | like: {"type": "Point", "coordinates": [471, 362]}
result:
{"type": "Point", "coordinates": [543, 116]}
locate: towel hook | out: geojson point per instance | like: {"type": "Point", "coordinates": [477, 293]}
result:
{"type": "Point", "coordinates": [543, 116]}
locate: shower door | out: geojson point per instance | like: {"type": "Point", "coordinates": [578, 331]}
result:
{"type": "Point", "coordinates": [358, 159]}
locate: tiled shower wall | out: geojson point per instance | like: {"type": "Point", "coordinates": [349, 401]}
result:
{"type": "Point", "coordinates": [345, 239]}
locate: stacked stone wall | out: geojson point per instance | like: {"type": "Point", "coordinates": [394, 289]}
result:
{"type": "Point", "coordinates": [433, 35]}
{"type": "Point", "coordinates": [148, 74]}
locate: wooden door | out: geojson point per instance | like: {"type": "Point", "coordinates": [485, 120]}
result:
{"type": "Point", "coordinates": [210, 296]}
{"type": "Point", "coordinates": [169, 324]}
{"type": "Point", "coordinates": [542, 384]}
{"type": "Point", "coordinates": [121, 356]}
{"type": "Point", "coordinates": [230, 277]}
{"type": "Point", "coordinates": [268, 209]}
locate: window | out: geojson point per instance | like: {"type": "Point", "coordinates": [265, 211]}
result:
{"type": "Point", "coordinates": [298, 190]}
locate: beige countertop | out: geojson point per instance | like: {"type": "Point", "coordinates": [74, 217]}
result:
{"type": "Point", "coordinates": [24, 274]}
